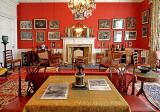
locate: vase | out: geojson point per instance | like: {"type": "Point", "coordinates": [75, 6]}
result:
{"type": "Point", "coordinates": [5, 39]}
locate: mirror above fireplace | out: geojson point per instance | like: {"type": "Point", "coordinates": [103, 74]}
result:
{"type": "Point", "coordinates": [78, 31]}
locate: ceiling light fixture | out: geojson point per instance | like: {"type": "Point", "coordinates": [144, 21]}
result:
{"type": "Point", "coordinates": [82, 8]}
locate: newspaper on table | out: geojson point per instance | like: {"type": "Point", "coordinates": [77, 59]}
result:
{"type": "Point", "coordinates": [56, 91]}
{"type": "Point", "coordinates": [98, 85]}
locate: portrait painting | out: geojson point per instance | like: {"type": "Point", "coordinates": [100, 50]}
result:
{"type": "Point", "coordinates": [40, 36]}
{"type": "Point", "coordinates": [145, 17]}
{"type": "Point", "coordinates": [104, 24]}
{"type": "Point", "coordinates": [131, 23]}
{"type": "Point", "coordinates": [144, 31]}
{"type": "Point", "coordinates": [25, 25]}
{"type": "Point", "coordinates": [130, 35]}
{"type": "Point", "coordinates": [117, 36]}
{"type": "Point", "coordinates": [104, 35]}
{"type": "Point", "coordinates": [26, 35]}
{"type": "Point", "coordinates": [118, 23]}
{"type": "Point", "coordinates": [53, 24]}
{"type": "Point", "coordinates": [54, 35]}
{"type": "Point", "coordinates": [40, 23]}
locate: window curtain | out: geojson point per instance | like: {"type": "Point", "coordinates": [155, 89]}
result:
{"type": "Point", "coordinates": [154, 44]}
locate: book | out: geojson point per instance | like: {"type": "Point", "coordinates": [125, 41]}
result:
{"type": "Point", "coordinates": [56, 91]}
{"type": "Point", "coordinates": [98, 85]}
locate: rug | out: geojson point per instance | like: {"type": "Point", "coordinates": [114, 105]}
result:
{"type": "Point", "coordinates": [152, 91]}
{"type": "Point", "coordinates": [9, 91]}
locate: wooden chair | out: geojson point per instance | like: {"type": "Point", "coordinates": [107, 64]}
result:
{"type": "Point", "coordinates": [46, 59]}
{"type": "Point", "coordinates": [122, 82]}
{"type": "Point", "coordinates": [33, 79]}
{"type": "Point", "coordinates": [105, 62]}
{"type": "Point", "coordinates": [116, 57]}
{"type": "Point", "coordinates": [9, 59]}
{"type": "Point", "coordinates": [137, 61]}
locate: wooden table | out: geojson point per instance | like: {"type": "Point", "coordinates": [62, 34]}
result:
{"type": "Point", "coordinates": [78, 100]}
{"type": "Point", "coordinates": [146, 77]}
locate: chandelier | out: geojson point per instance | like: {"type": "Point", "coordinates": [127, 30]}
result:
{"type": "Point", "coordinates": [82, 8]}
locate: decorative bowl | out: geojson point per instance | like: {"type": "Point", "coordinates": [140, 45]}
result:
{"type": "Point", "coordinates": [144, 69]}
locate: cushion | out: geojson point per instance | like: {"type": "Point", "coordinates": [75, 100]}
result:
{"type": "Point", "coordinates": [43, 55]}
{"type": "Point", "coordinates": [137, 105]}
{"type": "Point", "coordinates": [2, 71]}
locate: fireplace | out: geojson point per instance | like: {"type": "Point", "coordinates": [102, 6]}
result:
{"type": "Point", "coordinates": [84, 45]}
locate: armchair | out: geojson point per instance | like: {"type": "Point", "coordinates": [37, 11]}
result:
{"type": "Point", "coordinates": [46, 59]}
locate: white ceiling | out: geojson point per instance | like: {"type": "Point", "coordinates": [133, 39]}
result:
{"type": "Point", "coordinates": [35, 1]}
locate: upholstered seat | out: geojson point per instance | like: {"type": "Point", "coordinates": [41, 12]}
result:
{"type": "Point", "coordinates": [137, 105]}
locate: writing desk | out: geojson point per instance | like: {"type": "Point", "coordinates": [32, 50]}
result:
{"type": "Point", "coordinates": [78, 100]}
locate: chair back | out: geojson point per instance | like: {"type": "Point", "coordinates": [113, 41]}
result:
{"type": "Point", "coordinates": [116, 57]}
{"type": "Point", "coordinates": [122, 78]}
{"type": "Point", "coordinates": [8, 55]}
{"type": "Point", "coordinates": [135, 58]}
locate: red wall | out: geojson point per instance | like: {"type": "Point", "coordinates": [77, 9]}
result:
{"type": "Point", "coordinates": [61, 12]}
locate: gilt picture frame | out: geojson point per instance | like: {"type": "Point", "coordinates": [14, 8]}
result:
{"type": "Point", "coordinates": [118, 23]}
{"type": "Point", "coordinates": [131, 23]}
{"type": "Point", "coordinates": [104, 24]}
{"type": "Point", "coordinates": [117, 36]}
{"type": "Point", "coordinates": [144, 31]}
{"type": "Point", "coordinates": [26, 35]}
{"type": "Point", "coordinates": [53, 24]}
{"type": "Point", "coordinates": [40, 36]}
{"type": "Point", "coordinates": [26, 25]}
{"type": "Point", "coordinates": [145, 17]}
{"type": "Point", "coordinates": [130, 35]}
{"type": "Point", "coordinates": [54, 35]}
{"type": "Point", "coordinates": [40, 23]}
{"type": "Point", "coordinates": [104, 35]}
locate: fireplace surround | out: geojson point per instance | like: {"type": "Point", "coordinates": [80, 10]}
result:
{"type": "Point", "coordinates": [70, 43]}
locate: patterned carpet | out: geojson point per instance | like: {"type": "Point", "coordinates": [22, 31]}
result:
{"type": "Point", "coordinates": [152, 91]}
{"type": "Point", "coordinates": [9, 91]}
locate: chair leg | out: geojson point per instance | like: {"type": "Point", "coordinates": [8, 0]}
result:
{"type": "Point", "coordinates": [13, 67]}
{"type": "Point", "coordinates": [99, 68]}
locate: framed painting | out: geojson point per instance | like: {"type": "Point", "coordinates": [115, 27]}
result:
{"type": "Point", "coordinates": [130, 35]}
{"type": "Point", "coordinates": [104, 24]}
{"type": "Point", "coordinates": [117, 36]}
{"type": "Point", "coordinates": [129, 44]}
{"type": "Point", "coordinates": [79, 16]}
{"type": "Point", "coordinates": [131, 23]}
{"type": "Point", "coordinates": [40, 23]}
{"type": "Point", "coordinates": [145, 17]}
{"type": "Point", "coordinates": [25, 25]}
{"type": "Point", "coordinates": [104, 35]}
{"type": "Point", "coordinates": [40, 36]}
{"type": "Point", "coordinates": [104, 44]}
{"type": "Point", "coordinates": [26, 35]}
{"type": "Point", "coordinates": [53, 24]}
{"type": "Point", "coordinates": [144, 31]}
{"type": "Point", "coordinates": [118, 23]}
{"type": "Point", "coordinates": [54, 35]}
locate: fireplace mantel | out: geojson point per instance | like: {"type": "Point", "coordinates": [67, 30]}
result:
{"type": "Point", "coordinates": [77, 41]}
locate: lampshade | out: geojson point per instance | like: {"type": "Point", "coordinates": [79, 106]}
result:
{"type": "Point", "coordinates": [4, 38]}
